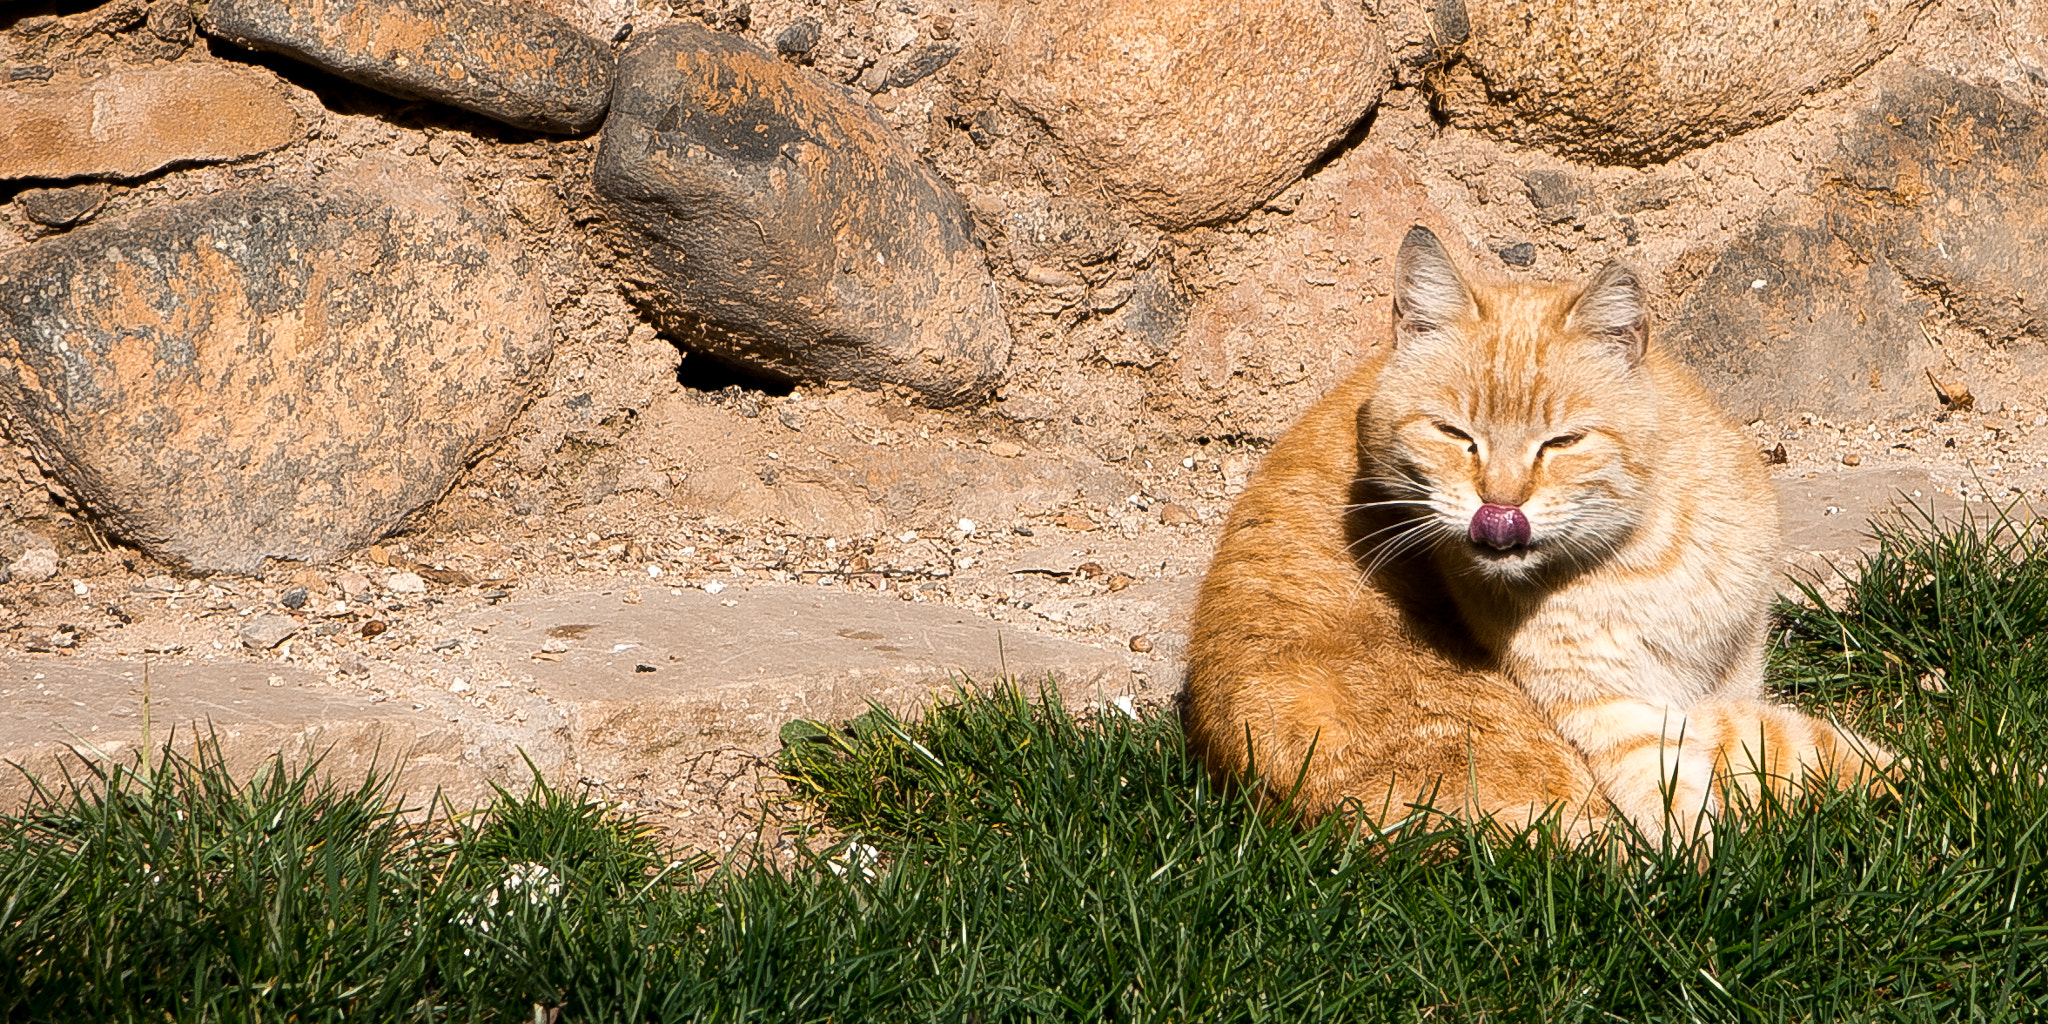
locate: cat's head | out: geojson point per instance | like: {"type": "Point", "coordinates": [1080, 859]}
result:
{"type": "Point", "coordinates": [1513, 424]}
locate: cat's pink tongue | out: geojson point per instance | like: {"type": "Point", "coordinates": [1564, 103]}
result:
{"type": "Point", "coordinates": [1500, 527]}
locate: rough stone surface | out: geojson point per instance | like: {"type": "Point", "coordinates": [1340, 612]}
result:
{"type": "Point", "coordinates": [1789, 319]}
{"type": "Point", "coordinates": [1193, 112]}
{"type": "Point", "coordinates": [134, 122]}
{"type": "Point", "coordinates": [1944, 181]}
{"type": "Point", "coordinates": [268, 372]}
{"type": "Point", "coordinates": [767, 219]}
{"type": "Point", "coordinates": [1641, 83]}
{"type": "Point", "coordinates": [1933, 200]}
{"type": "Point", "coordinates": [513, 62]}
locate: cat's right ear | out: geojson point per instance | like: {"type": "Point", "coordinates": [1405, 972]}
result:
{"type": "Point", "coordinates": [1429, 295]}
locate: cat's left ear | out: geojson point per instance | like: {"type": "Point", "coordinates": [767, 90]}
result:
{"type": "Point", "coordinates": [1615, 310]}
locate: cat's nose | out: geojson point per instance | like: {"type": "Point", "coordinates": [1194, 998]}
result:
{"type": "Point", "coordinates": [1501, 527]}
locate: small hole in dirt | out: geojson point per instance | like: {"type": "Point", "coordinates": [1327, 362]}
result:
{"type": "Point", "coordinates": [700, 372]}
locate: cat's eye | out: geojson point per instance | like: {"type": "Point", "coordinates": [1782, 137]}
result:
{"type": "Point", "coordinates": [1563, 441]}
{"type": "Point", "coordinates": [1460, 436]}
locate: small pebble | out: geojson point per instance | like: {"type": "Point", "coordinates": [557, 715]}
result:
{"type": "Point", "coordinates": [294, 598]}
{"type": "Point", "coordinates": [459, 686]}
{"type": "Point", "coordinates": [1852, 460]}
{"type": "Point", "coordinates": [406, 583]}
{"type": "Point", "coordinates": [1141, 644]}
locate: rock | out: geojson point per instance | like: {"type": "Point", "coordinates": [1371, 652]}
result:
{"type": "Point", "coordinates": [35, 565]}
{"type": "Point", "coordinates": [135, 122]}
{"type": "Point", "coordinates": [271, 371]}
{"type": "Point", "coordinates": [1519, 255]}
{"type": "Point", "coordinates": [921, 65]}
{"type": "Point", "coordinates": [62, 207]}
{"type": "Point", "coordinates": [799, 39]}
{"type": "Point", "coordinates": [266, 631]}
{"type": "Point", "coordinates": [1954, 227]}
{"type": "Point", "coordinates": [1818, 306]}
{"type": "Point", "coordinates": [294, 598]}
{"type": "Point", "coordinates": [1193, 112]}
{"type": "Point", "coordinates": [1788, 320]}
{"type": "Point", "coordinates": [768, 219]}
{"type": "Point", "coordinates": [513, 62]}
{"type": "Point", "coordinates": [1639, 84]}
{"type": "Point", "coordinates": [405, 583]}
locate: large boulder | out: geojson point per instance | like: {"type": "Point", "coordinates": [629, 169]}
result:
{"type": "Point", "coordinates": [509, 61]}
{"type": "Point", "coordinates": [270, 372]}
{"type": "Point", "coordinates": [137, 121]}
{"type": "Point", "coordinates": [1789, 319]}
{"type": "Point", "coordinates": [1936, 201]}
{"type": "Point", "coordinates": [765, 217]}
{"type": "Point", "coordinates": [1946, 182]}
{"type": "Point", "coordinates": [1637, 84]}
{"type": "Point", "coordinates": [1193, 112]}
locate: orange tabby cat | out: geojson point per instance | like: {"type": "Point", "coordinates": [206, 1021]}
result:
{"type": "Point", "coordinates": [1518, 563]}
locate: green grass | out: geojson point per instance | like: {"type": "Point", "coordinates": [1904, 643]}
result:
{"type": "Point", "coordinates": [1033, 868]}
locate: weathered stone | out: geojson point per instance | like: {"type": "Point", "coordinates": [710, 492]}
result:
{"type": "Point", "coordinates": [766, 218]}
{"type": "Point", "coordinates": [265, 631]}
{"type": "Point", "coordinates": [516, 63]}
{"type": "Point", "coordinates": [1641, 83]}
{"type": "Point", "coordinates": [34, 566]}
{"type": "Point", "coordinates": [799, 39]}
{"type": "Point", "coordinates": [1193, 112]}
{"type": "Point", "coordinates": [271, 372]}
{"type": "Point", "coordinates": [1789, 319]}
{"type": "Point", "coordinates": [62, 207]}
{"type": "Point", "coordinates": [1945, 181]}
{"type": "Point", "coordinates": [132, 123]}
{"type": "Point", "coordinates": [1936, 199]}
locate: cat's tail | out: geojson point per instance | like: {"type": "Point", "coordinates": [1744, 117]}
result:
{"type": "Point", "coordinates": [1769, 748]}
{"type": "Point", "coordinates": [1383, 738]}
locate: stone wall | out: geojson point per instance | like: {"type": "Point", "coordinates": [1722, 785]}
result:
{"type": "Point", "coordinates": [274, 275]}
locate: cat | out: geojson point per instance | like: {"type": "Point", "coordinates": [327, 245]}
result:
{"type": "Point", "coordinates": [1516, 564]}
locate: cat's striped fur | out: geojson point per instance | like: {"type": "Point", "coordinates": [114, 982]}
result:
{"type": "Point", "coordinates": [1368, 634]}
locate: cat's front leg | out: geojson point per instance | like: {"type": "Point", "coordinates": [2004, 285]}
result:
{"type": "Point", "coordinates": [1655, 762]}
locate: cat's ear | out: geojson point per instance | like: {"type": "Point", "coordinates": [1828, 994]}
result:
{"type": "Point", "coordinates": [1614, 310]}
{"type": "Point", "coordinates": [1428, 292]}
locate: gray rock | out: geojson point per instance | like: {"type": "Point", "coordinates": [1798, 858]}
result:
{"type": "Point", "coordinates": [921, 65]}
{"type": "Point", "coordinates": [265, 631]}
{"type": "Point", "coordinates": [799, 39]}
{"type": "Point", "coordinates": [513, 62]}
{"type": "Point", "coordinates": [34, 566]}
{"type": "Point", "coordinates": [271, 372]}
{"type": "Point", "coordinates": [62, 207]}
{"type": "Point", "coordinates": [766, 218]}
